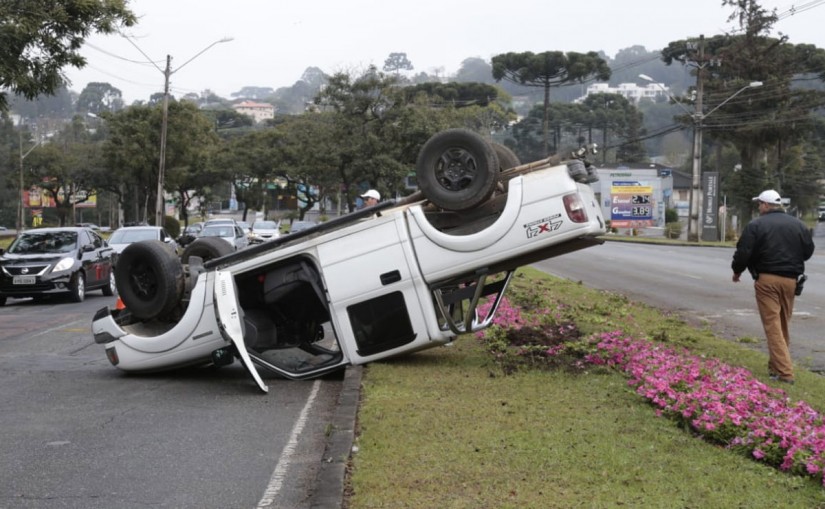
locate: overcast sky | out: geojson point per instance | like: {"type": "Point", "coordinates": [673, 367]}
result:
{"type": "Point", "coordinates": [275, 41]}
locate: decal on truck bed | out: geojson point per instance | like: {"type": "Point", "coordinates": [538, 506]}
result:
{"type": "Point", "coordinates": [546, 225]}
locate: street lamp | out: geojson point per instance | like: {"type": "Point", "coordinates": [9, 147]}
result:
{"type": "Point", "coordinates": [167, 72]}
{"type": "Point", "coordinates": [698, 116]}
{"type": "Point", "coordinates": [20, 219]}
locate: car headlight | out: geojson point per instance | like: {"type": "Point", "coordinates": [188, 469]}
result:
{"type": "Point", "coordinates": [64, 264]}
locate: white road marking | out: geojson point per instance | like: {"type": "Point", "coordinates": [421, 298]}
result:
{"type": "Point", "coordinates": [277, 479]}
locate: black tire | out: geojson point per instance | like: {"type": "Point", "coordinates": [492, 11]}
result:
{"type": "Point", "coordinates": [149, 279]}
{"type": "Point", "coordinates": [506, 159]}
{"type": "Point", "coordinates": [110, 288]}
{"type": "Point", "coordinates": [77, 287]}
{"type": "Point", "coordinates": [206, 248]}
{"type": "Point", "coordinates": [457, 169]}
{"type": "Point", "coordinates": [2, 301]}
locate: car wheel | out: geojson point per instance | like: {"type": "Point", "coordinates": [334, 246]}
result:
{"type": "Point", "coordinates": [77, 287]}
{"type": "Point", "coordinates": [110, 288]}
{"type": "Point", "coordinates": [506, 159]}
{"type": "Point", "coordinates": [149, 279]}
{"type": "Point", "coordinates": [207, 248]}
{"type": "Point", "coordinates": [2, 301]}
{"type": "Point", "coordinates": [457, 169]}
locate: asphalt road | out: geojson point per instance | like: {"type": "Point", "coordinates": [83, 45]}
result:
{"type": "Point", "coordinates": [695, 282]}
{"type": "Point", "coordinates": [78, 433]}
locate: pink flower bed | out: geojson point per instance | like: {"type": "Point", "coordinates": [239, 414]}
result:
{"type": "Point", "coordinates": [722, 403]}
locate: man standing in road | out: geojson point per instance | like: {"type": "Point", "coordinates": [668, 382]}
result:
{"type": "Point", "coordinates": [774, 247]}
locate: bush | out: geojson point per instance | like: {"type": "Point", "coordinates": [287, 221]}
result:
{"type": "Point", "coordinates": [172, 226]}
{"type": "Point", "coordinates": [671, 216]}
{"type": "Point", "coordinates": [673, 230]}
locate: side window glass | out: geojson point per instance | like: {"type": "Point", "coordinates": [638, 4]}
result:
{"type": "Point", "coordinates": [381, 323]}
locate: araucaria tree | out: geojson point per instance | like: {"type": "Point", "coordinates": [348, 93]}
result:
{"type": "Point", "coordinates": [769, 126]}
{"type": "Point", "coordinates": [549, 69]}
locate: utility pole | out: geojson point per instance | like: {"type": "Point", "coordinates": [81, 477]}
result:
{"type": "Point", "coordinates": [160, 205]}
{"type": "Point", "coordinates": [696, 177]}
{"type": "Point", "coordinates": [21, 221]}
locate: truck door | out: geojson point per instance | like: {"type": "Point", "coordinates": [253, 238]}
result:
{"type": "Point", "coordinates": [371, 282]}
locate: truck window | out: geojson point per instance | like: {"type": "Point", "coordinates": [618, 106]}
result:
{"type": "Point", "coordinates": [381, 324]}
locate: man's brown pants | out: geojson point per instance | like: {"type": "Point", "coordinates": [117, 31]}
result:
{"type": "Point", "coordinates": [774, 298]}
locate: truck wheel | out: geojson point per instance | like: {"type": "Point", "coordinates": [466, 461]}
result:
{"type": "Point", "coordinates": [506, 159]}
{"type": "Point", "coordinates": [206, 248]}
{"type": "Point", "coordinates": [457, 169]}
{"type": "Point", "coordinates": [149, 279]}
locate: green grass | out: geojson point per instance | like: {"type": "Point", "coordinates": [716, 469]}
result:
{"type": "Point", "coordinates": [445, 428]}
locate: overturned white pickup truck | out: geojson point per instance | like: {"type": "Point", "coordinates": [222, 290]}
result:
{"type": "Point", "coordinates": [384, 281]}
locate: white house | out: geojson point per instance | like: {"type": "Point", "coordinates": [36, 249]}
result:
{"type": "Point", "coordinates": [258, 111]}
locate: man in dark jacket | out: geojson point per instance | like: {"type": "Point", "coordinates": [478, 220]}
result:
{"type": "Point", "coordinates": [774, 247]}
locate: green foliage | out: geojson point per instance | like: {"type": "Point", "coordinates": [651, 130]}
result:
{"type": "Point", "coordinates": [673, 230]}
{"type": "Point", "coordinates": [39, 39]}
{"type": "Point", "coordinates": [671, 215]}
{"type": "Point", "coordinates": [172, 226]}
{"type": "Point", "coordinates": [549, 69]}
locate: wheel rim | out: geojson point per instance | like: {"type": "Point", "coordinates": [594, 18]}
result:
{"type": "Point", "coordinates": [456, 169]}
{"type": "Point", "coordinates": [143, 281]}
{"type": "Point", "coordinates": [112, 285]}
{"type": "Point", "coordinates": [81, 286]}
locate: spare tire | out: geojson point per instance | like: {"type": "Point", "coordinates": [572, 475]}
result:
{"type": "Point", "coordinates": [457, 169]}
{"type": "Point", "coordinates": [506, 159]}
{"type": "Point", "coordinates": [207, 248]}
{"type": "Point", "coordinates": [149, 279]}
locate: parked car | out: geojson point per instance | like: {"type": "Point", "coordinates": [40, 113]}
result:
{"type": "Point", "coordinates": [122, 237]}
{"type": "Point", "coordinates": [298, 226]}
{"type": "Point", "coordinates": [88, 225]}
{"type": "Point", "coordinates": [189, 234]}
{"type": "Point", "coordinates": [47, 261]}
{"type": "Point", "coordinates": [384, 281]}
{"type": "Point", "coordinates": [264, 230]}
{"type": "Point", "coordinates": [231, 233]}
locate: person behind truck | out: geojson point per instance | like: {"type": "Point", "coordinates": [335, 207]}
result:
{"type": "Point", "coordinates": [371, 197]}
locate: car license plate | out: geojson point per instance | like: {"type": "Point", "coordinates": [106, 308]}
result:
{"type": "Point", "coordinates": [24, 280]}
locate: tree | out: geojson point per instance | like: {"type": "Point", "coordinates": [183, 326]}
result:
{"type": "Point", "coordinates": [763, 124]}
{"type": "Point", "coordinates": [38, 39]}
{"type": "Point", "coordinates": [64, 169]}
{"type": "Point", "coordinates": [99, 97]}
{"type": "Point", "coordinates": [397, 62]}
{"type": "Point", "coordinates": [549, 69]}
{"type": "Point", "coordinates": [476, 70]}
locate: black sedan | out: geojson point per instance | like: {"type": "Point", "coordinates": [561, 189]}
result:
{"type": "Point", "coordinates": [47, 261]}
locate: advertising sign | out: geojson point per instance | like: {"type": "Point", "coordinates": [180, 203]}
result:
{"type": "Point", "coordinates": [710, 206]}
{"type": "Point", "coordinates": [631, 205]}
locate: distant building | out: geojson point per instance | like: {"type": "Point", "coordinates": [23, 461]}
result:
{"type": "Point", "coordinates": [258, 111]}
{"type": "Point", "coordinates": [631, 91]}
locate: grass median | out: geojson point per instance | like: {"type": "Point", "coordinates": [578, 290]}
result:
{"type": "Point", "coordinates": [453, 427]}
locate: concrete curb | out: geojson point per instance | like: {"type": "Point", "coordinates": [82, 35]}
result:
{"type": "Point", "coordinates": [329, 485]}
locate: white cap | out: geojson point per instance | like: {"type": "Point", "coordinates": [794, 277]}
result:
{"type": "Point", "coordinates": [372, 193]}
{"type": "Point", "coordinates": [769, 196]}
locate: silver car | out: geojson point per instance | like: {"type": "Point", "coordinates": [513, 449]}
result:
{"type": "Point", "coordinates": [231, 233]}
{"type": "Point", "coordinates": [122, 237]}
{"type": "Point", "coordinates": [263, 231]}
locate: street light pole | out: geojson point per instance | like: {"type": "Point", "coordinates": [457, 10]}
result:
{"type": "Point", "coordinates": [696, 174]}
{"type": "Point", "coordinates": [20, 219]}
{"type": "Point", "coordinates": [167, 72]}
